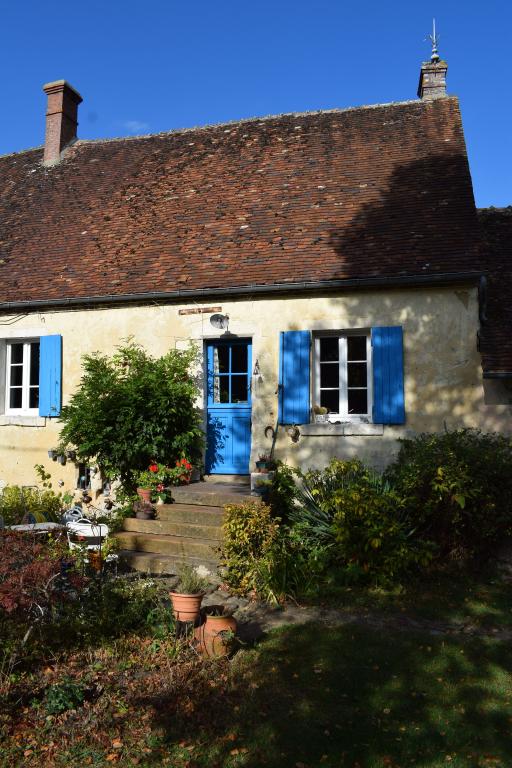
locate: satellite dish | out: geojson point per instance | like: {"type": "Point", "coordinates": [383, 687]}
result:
{"type": "Point", "coordinates": [220, 321]}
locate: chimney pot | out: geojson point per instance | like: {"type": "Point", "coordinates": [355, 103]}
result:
{"type": "Point", "coordinates": [61, 119]}
{"type": "Point", "coordinates": [432, 83]}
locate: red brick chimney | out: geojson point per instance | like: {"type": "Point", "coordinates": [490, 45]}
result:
{"type": "Point", "coordinates": [61, 119]}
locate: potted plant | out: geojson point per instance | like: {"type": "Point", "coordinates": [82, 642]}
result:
{"type": "Point", "coordinates": [261, 486]}
{"type": "Point", "coordinates": [216, 634]}
{"type": "Point", "coordinates": [144, 510]}
{"type": "Point", "coordinates": [186, 598]}
{"type": "Point", "coordinates": [320, 413]}
{"type": "Point", "coordinates": [151, 482]}
{"type": "Point", "coordinates": [265, 463]}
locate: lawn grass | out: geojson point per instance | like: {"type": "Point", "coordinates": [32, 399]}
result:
{"type": "Point", "coordinates": [305, 696]}
{"type": "Point", "coordinates": [308, 695]}
{"type": "Point", "coordinates": [480, 598]}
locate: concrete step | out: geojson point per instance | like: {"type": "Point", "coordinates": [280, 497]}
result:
{"type": "Point", "coordinates": [163, 544]}
{"type": "Point", "coordinates": [153, 562]}
{"type": "Point", "coordinates": [212, 494]}
{"type": "Point", "coordinates": [169, 527]}
{"type": "Point", "coordinates": [193, 514]}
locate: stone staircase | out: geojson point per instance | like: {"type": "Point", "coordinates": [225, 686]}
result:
{"type": "Point", "coordinates": [187, 531]}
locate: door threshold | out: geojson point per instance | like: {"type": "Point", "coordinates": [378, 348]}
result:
{"type": "Point", "coordinates": [233, 479]}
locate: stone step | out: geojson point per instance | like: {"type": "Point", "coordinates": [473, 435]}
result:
{"type": "Point", "coordinates": [194, 514]}
{"type": "Point", "coordinates": [211, 494]}
{"type": "Point", "coordinates": [163, 544]}
{"type": "Point", "coordinates": [232, 479]}
{"type": "Point", "coordinates": [169, 527]}
{"type": "Point", "coordinates": [155, 563]}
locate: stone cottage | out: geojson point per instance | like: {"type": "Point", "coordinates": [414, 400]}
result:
{"type": "Point", "coordinates": [323, 261]}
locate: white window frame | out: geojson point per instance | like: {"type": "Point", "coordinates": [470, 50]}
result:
{"type": "Point", "coordinates": [343, 415]}
{"type": "Point", "coordinates": [25, 397]}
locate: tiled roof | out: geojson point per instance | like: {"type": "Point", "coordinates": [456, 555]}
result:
{"type": "Point", "coordinates": [496, 331]}
{"type": "Point", "coordinates": [380, 191]}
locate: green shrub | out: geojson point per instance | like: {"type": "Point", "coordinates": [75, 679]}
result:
{"type": "Point", "coordinates": [16, 502]}
{"type": "Point", "coordinates": [250, 534]}
{"type": "Point", "coordinates": [283, 491]}
{"type": "Point", "coordinates": [456, 489]}
{"type": "Point", "coordinates": [374, 541]}
{"type": "Point", "coordinates": [350, 520]}
{"type": "Point", "coordinates": [133, 409]}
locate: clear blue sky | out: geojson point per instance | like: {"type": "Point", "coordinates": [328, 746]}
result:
{"type": "Point", "coordinates": [144, 67]}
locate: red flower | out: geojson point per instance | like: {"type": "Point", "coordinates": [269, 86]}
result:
{"type": "Point", "coordinates": [153, 467]}
{"type": "Point", "coordinates": [160, 487]}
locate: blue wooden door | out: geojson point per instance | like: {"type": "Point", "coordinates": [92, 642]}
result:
{"type": "Point", "coordinates": [228, 407]}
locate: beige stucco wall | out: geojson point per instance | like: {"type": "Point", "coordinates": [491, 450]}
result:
{"type": "Point", "coordinates": [443, 379]}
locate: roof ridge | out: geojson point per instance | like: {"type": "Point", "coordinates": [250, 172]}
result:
{"type": "Point", "coordinates": [256, 119]}
{"type": "Point", "coordinates": [240, 121]}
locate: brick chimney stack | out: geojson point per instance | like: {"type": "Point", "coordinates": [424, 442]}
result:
{"type": "Point", "coordinates": [432, 83]}
{"type": "Point", "coordinates": [61, 119]}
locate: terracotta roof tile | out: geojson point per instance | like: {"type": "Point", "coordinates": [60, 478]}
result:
{"type": "Point", "coordinates": [371, 192]}
{"type": "Point", "coordinates": [496, 331]}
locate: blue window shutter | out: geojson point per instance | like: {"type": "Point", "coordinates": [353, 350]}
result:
{"type": "Point", "coordinates": [50, 374]}
{"type": "Point", "coordinates": [294, 377]}
{"type": "Point", "coordinates": [388, 375]}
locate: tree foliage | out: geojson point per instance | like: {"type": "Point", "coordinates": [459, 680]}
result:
{"type": "Point", "coordinates": [131, 409]}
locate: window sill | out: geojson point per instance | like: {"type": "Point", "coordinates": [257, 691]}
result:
{"type": "Point", "coordinates": [22, 420]}
{"type": "Point", "coordinates": [347, 429]}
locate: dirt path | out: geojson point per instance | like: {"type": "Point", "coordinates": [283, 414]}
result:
{"type": "Point", "coordinates": [256, 618]}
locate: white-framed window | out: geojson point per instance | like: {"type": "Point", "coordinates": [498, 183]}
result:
{"type": "Point", "coordinates": [343, 375]}
{"type": "Point", "coordinates": [22, 377]}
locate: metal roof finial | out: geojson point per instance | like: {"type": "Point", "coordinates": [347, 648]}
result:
{"type": "Point", "coordinates": [434, 39]}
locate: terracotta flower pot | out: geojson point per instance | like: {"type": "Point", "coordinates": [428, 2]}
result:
{"type": "Point", "coordinates": [215, 635]}
{"type": "Point", "coordinates": [186, 607]}
{"type": "Point", "coordinates": [144, 494]}
{"type": "Point", "coordinates": [94, 560]}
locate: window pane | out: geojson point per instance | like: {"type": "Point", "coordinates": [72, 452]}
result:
{"type": "Point", "coordinates": [33, 398]}
{"type": "Point", "coordinates": [221, 389]}
{"type": "Point", "coordinates": [34, 363]}
{"type": "Point", "coordinates": [329, 375]}
{"type": "Point", "coordinates": [239, 358]}
{"type": "Point", "coordinates": [15, 396]}
{"type": "Point", "coordinates": [221, 359]}
{"type": "Point", "coordinates": [16, 375]}
{"type": "Point", "coordinates": [329, 348]}
{"type": "Point", "coordinates": [16, 353]}
{"type": "Point", "coordinates": [239, 389]}
{"type": "Point", "coordinates": [357, 375]}
{"type": "Point", "coordinates": [330, 399]}
{"type": "Point", "coordinates": [357, 401]}
{"type": "Point", "coordinates": [356, 347]}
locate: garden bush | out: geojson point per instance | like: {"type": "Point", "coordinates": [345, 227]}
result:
{"type": "Point", "coordinates": [132, 409]}
{"type": "Point", "coordinates": [16, 503]}
{"type": "Point", "coordinates": [456, 489]}
{"type": "Point", "coordinates": [250, 533]}
{"type": "Point", "coordinates": [351, 521]}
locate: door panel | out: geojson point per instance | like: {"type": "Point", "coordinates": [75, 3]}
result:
{"type": "Point", "coordinates": [229, 406]}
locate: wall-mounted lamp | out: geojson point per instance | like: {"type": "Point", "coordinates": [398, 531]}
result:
{"type": "Point", "coordinates": [256, 370]}
{"type": "Point", "coordinates": [221, 322]}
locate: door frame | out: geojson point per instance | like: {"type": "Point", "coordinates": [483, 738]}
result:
{"type": "Point", "coordinates": [210, 406]}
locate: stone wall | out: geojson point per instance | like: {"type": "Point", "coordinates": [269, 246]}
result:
{"type": "Point", "coordinates": [443, 378]}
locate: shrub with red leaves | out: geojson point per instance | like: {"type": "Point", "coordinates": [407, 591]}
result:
{"type": "Point", "coordinates": [31, 573]}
